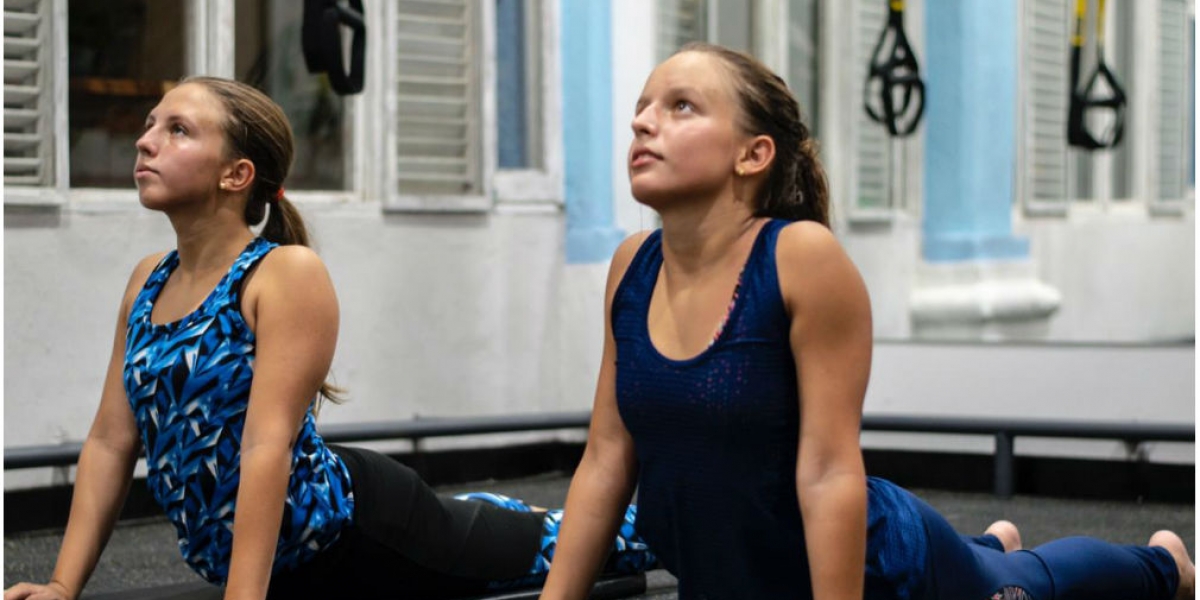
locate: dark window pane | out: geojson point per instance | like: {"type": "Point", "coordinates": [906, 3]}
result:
{"type": "Point", "coordinates": [269, 57]}
{"type": "Point", "coordinates": [123, 54]}
{"type": "Point", "coordinates": [511, 87]}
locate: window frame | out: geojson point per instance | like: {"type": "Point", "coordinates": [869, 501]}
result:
{"type": "Point", "coordinates": [209, 49]}
{"type": "Point", "coordinates": [843, 120]}
{"type": "Point", "coordinates": [542, 185]}
{"type": "Point", "coordinates": [531, 188]}
{"type": "Point", "coordinates": [56, 192]}
{"type": "Point", "coordinates": [1142, 139]}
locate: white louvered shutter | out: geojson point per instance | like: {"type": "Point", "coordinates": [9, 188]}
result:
{"type": "Point", "coordinates": [680, 22]}
{"type": "Point", "coordinates": [871, 144]}
{"type": "Point", "coordinates": [802, 57]}
{"type": "Point", "coordinates": [1046, 68]}
{"type": "Point", "coordinates": [438, 107]}
{"type": "Point", "coordinates": [1173, 80]}
{"type": "Point", "coordinates": [28, 101]}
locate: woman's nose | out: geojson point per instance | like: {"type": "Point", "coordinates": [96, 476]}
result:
{"type": "Point", "coordinates": [644, 122]}
{"type": "Point", "coordinates": [144, 143]}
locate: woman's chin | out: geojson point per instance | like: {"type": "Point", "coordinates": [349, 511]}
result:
{"type": "Point", "coordinates": [150, 201]}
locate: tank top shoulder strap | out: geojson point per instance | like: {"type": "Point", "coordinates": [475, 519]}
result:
{"type": "Point", "coordinates": [759, 307]}
{"type": "Point", "coordinates": [230, 286]}
{"type": "Point", "coordinates": [637, 283]}
{"type": "Point", "coordinates": [762, 257]}
{"type": "Point", "coordinates": [154, 283]}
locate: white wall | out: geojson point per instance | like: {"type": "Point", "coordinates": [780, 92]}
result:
{"type": "Point", "coordinates": [440, 314]}
{"type": "Point", "coordinates": [1103, 383]}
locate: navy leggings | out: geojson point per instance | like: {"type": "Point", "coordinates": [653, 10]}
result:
{"type": "Point", "coordinates": [969, 568]}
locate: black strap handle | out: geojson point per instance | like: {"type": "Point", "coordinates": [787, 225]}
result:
{"type": "Point", "coordinates": [894, 72]}
{"type": "Point", "coordinates": [1088, 99]}
{"type": "Point", "coordinates": [321, 41]}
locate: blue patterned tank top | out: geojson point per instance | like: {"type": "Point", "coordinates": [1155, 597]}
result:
{"type": "Point", "coordinates": [716, 439]}
{"type": "Point", "coordinates": [189, 384]}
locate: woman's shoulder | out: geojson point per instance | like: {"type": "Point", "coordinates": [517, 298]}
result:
{"type": "Point", "coordinates": [137, 279]}
{"type": "Point", "coordinates": [812, 263]}
{"type": "Point", "coordinates": [286, 268]}
{"type": "Point", "coordinates": [629, 247]}
{"type": "Point", "coordinates": [806, 240]}
{"type": "Point", "coordinates": [292, 260]}
{"type": "Point", "coordinates": [143, 269]}
{"type": "Point", "coordinates": [623, 256]}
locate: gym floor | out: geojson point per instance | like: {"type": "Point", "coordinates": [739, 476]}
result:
{"type": "Point", "coordinates": [142, 554]}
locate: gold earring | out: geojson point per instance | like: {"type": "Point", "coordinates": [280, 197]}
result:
{"type": "Point", "coordinates": [741, 172]}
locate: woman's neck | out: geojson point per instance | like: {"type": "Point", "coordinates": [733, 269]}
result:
{"type": "Point", "coordinates": [210, 243]}
{"type": "Point", "coordinates": [696, 238]}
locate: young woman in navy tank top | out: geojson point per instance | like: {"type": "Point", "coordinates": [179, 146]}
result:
{"type": "Point", "coordinates": [736, 358]}
{"type": "Point", "coordinates": [222, 347]}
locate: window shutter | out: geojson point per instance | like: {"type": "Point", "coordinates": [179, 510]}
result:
{"type": "Point", "coordinates": [438, 143]}
{"type": "Point", "coordinates": [28, 101]}
{"type": "Point", "coordinates": [1173, 80]}
{"type": "Point", "coordinates": [680, 22]}
{"type": "Point", "coordinates": [802, 57]}
{"type": "Point", "coordinates": [1046, 68]}
{"type": "Point", "coordinates": [871, 143]}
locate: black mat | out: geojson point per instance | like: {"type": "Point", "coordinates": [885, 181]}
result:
{"type": "Point", "coordinates": [605, 589]}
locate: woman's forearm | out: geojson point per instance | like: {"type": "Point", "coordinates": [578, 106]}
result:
{"type": "Point", "coordinates": [260, 498]}
{"type": "Point", "coordinates": [595, 503]}
{"type": "Point", "coordinates": [834, 508]}
{"type": "Point", "coordinates": [101, 484]}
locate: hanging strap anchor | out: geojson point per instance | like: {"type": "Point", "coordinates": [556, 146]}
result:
{"type": "Point", "coordinates": [1088, 99]}
{"type": "Point", "coordinates": [321, 41]}
{"type": "Point", "coordinates": [894, 78]}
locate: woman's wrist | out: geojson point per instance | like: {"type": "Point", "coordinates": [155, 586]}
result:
{"type": "Point", "coordinates": [63, 589]}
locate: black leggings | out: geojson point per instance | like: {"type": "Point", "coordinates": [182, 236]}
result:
{"type": "Point", "coordinates": [408, 542]}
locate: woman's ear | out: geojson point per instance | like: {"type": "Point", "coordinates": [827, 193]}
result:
{"type": "Point", "coordinates": [238, 176]}
{"type": "Point", "coordinates": [756, 156]}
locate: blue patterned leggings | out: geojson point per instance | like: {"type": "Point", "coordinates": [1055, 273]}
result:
{"type": "Point", "coordinates": [629, 553]}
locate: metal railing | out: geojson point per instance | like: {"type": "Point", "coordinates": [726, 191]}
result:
{"type": "Point", "coordinates": [1004, 431]}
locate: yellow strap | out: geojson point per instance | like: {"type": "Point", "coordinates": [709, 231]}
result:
{"type": "Point", "coordinates": [1100, 24]}
{"type": "Point", "coordinates": [897, 5]}
{"type": "Point", "coordinates": [1080, 19]}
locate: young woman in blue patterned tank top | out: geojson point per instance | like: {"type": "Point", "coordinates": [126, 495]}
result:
{"type": "Point", "coordinates": [755, 428]}
{"type": "Point", "coordinates": [222, 346]}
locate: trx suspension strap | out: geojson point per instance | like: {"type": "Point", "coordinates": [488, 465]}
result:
{"type": "Point", "coordinates": [321, 40]}
{"type": "Point", "coordinates": [894, 79]}
{"type": "Point", "coordinates": [1089, 99]}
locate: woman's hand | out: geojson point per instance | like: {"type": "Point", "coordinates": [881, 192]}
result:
{"type": "Point", "coordinates": [32, 591]}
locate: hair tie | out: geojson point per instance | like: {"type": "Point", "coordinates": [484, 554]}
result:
{"type": "Point", "coordinates": [279, 194]}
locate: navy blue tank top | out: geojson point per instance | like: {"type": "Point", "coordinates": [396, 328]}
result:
{"type": "Point", "coordinates": [716, 439]}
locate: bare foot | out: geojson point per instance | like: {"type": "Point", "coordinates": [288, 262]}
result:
{"type": "Point", "coordinates": [1007, 533]}
{"type": "Point", "coordinates": [1187, 570]}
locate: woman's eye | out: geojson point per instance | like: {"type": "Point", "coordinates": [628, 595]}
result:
{"type": "Point", "coordinates": [683, 105]}
{"type": "Point", "coordinates": [178, 129]}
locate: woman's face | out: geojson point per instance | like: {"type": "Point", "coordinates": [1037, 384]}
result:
{"type": "Point", "coordinates": [685, 133]}
{"type": "Point", "coordinates": [181, 153]}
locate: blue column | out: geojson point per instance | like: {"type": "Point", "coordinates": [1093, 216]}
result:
{"type": "Point", "coordinates": [587, 130]}
{"type": "Point", "coordinates": [970, 143]}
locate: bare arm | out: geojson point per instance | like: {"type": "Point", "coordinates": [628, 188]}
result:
{"type": "Point", "coordinates": [604, 480]}
{"type": "Point", "coordinates": [831, 340]}
{"type": "Point", "coordinates": [295, 317]}
{"type": "Point", "coordinates": [103, 473]}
